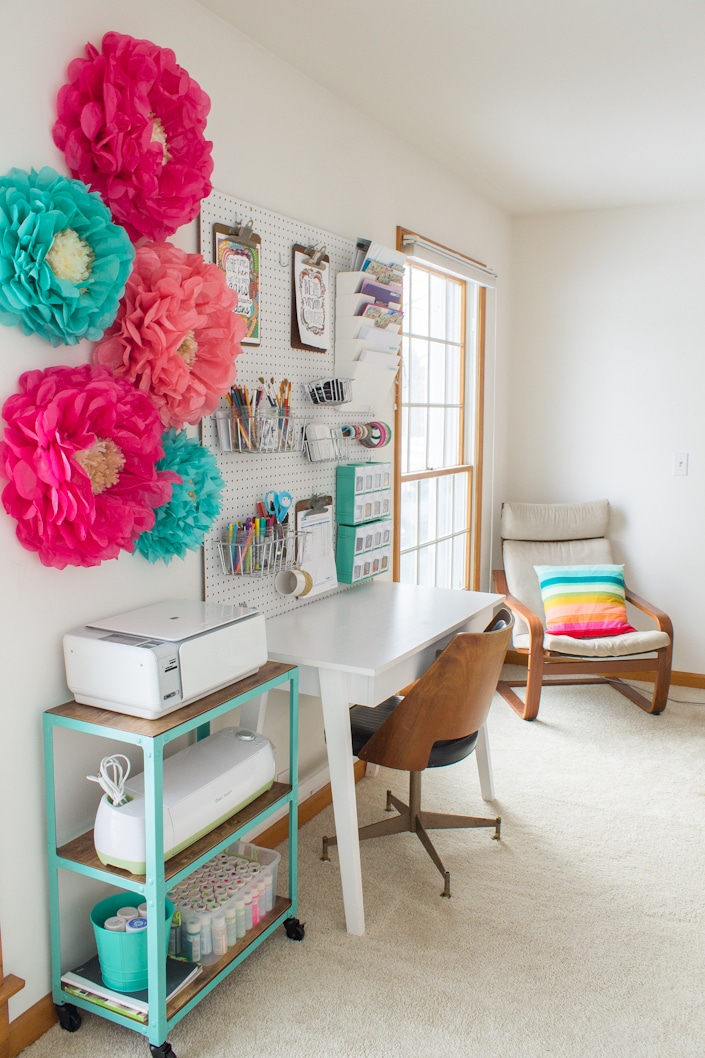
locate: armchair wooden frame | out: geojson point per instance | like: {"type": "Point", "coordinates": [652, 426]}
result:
{"type": "Point", "coordinates": [542, 662]}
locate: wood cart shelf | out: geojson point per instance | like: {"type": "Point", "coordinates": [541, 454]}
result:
{"type": "Point", "coordinates": [78, 855]}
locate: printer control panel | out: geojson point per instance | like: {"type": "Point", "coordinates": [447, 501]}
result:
{"type": "Point", "coordinates": [169, 673]}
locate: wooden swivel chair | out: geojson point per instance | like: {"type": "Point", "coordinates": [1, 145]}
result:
{"type": "Point", "coordinates": [436, 723]}
{"type": "Point", "coordinates": [566, 534]}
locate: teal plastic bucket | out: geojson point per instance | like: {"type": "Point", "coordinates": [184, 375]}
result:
{"type": "Point", "coordinates": [123, 956]}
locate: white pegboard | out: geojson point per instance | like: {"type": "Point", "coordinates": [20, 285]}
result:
{"type": "Point", "coordinates": [247, 476]}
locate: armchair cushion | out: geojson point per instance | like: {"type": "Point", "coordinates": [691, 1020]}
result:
{"type": "Point", "coordinates": [554, 521]}
{"type": "Point", "coordinates": [584, 602]}
{"type": "Point", "coordinates": [628, 645]}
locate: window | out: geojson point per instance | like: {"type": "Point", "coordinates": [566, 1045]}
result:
{"type": "Point", "coordinates": [439, 426]}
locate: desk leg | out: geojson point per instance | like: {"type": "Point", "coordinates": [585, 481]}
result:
{"type": "Point", "coordinates": [484, 764]}
{"type": "Point", "coordinates": [253, 713]}
{"type": "Point", "coordinates": [335, 704]}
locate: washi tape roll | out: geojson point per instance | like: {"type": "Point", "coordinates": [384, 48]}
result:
{"type": "Point", "coordinates": [296, 582]}
{"type": "Point", "coordinates": [379, 435]}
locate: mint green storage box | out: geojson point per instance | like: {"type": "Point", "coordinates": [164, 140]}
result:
{"type": "Point", "coordinates": [123, 956]}
{"type": "Point", "coordinates": [363, 492]}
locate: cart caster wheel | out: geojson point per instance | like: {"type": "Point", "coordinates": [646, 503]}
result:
{"type": "Point", "coordinates": [294, 929]}
{"type": "Point", "coordinates": [164, 1051]}
{"type": "Point", "coordinates": [69, 1016]}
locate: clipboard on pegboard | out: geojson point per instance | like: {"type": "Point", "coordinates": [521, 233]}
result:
{"type": "Point", "coordinates": [311, 326]}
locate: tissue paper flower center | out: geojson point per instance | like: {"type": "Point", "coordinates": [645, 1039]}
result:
{"type": "Point", "coordinates": [70, 257]}
{"type": "Point", "coordinates": [159, 136]}
{"type": "Point", "coordinates": [188, 348]}
{"type": "Point", "coordinates": [103, 462]}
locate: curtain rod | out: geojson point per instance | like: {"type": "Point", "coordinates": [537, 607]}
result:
{"type": "Point", "coordinates": [415, 240]}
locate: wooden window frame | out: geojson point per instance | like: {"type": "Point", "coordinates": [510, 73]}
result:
{"type": "Point", "coordinates": [474, 469]}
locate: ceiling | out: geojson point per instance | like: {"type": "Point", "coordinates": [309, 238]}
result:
{"type": "Point", "coordinates": [539, 105]}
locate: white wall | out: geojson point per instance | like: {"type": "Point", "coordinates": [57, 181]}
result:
{"type": "Point", "coordinates": [264, 117]}
{"type": "Point", "coordinates": [607, 383]}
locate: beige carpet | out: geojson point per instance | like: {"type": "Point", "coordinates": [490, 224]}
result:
{"type": "Point", "coordinates": [580, 934]}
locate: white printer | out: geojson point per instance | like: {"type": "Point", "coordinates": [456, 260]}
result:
{"type": "Point", "coordinates": [150, 661]}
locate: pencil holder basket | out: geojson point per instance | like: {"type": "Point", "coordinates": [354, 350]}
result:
{"type": "Point", "coordinates": [123, 956]}
{"type": "Point", "coordinates": [239, 432]}
{"type": "Point", "coordinates": [261, 556]}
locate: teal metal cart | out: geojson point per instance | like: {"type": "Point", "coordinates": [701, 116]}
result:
{"type": "Point", "coordinates": [79, 855]}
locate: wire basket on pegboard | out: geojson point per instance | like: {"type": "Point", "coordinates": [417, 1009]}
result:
{"type": "Point", "coordinates": [325, 444]}
{"type": "Point", "coordinates": [330, 391]}
{"type": "Point", "coordinates": [246, 554]}
{"type": "Point", "coordinates": [239, 432]}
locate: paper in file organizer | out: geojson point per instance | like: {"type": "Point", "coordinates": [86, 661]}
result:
{"type": "Point", "coordinates": [383, 361]}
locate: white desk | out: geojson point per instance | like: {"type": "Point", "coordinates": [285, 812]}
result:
{"type": "Point", "coordinates": [359, 647]}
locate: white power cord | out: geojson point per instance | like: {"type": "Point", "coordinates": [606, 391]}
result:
{"type": "Point", "coordinates": [112, 776]}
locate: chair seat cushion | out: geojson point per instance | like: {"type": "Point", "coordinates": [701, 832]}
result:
{"type": "Point", "coordinates": [365, 721]}
{"type": "Point", "coordinates": [632, 643]}
{"type": "Point", "coordinates": [585, 601]}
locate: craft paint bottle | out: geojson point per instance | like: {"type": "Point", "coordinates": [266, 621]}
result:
{"type": "Point", "coordinates": [193, 939]}
{"type": "Point", "coordinates": [241, 921]}
{"type": "Point", "coordinates": [175, 934]}
{"type": "Point", "coordinates": [219, 934]}
{"type": "Point", "coordinates": [115, 924]}
{"type": "Point", "coordinates": [231, 925]}
{"type": "Point", "coordinates": [206, 934]}
{"type": "Point", "coordinates": [247, 897]}
{"type": "Point", "coordinates": [261, 898]}
{"type": "Point", "coordinates": [269, 891]}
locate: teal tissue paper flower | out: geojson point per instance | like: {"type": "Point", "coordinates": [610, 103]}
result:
{"type": "Point", "coordinates": [63, 262]}
{"type": "Point", "coordinates": [182, 523]}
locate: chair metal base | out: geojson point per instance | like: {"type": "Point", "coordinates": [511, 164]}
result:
{"type": "Point", "coordinates": [412, 819]}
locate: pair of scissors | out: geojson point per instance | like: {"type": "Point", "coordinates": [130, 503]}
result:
{"type": "Point", "coordinates": [278, 504]}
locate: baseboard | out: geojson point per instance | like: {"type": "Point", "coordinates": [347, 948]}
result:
{"type": "Point", "coordinates": [678, 679]}
{"type": "Point", "coordinates": [31, 1024]}
{"type": "Point", "coordinates": [279, 831]}
{"type": "Point", "coordinates": [38, 1019]}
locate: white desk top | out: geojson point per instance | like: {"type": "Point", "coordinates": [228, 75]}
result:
{"type": "Point", "coordinates": [372, 626]}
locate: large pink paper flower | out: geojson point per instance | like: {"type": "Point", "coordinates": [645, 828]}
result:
{"type": "Point", "coordinates": [131, 124]}
{"type": "Point", "coordinates": [80, 452]}
{"type": "Point", "coordinates": [175, 335]}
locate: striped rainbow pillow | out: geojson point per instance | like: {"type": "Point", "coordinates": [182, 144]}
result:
{"type": "Point", "coordinates": [585, 602]}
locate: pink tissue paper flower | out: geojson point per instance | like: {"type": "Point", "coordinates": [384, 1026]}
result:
{"type": "Point", "coordinates": [175, 335]}
{"type": "Point", "coordinates": [131, 125]}
{"type": "Point", "coordinates": [80, 452]}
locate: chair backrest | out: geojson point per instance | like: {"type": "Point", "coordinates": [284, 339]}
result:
{"type": "Point", "coordinates": [451, 700]}
{"type": "Point", "coordinates": [549, 534]}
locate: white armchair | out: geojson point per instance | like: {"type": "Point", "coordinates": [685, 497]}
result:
{"type": "Point", "coordinates": [571, 534]}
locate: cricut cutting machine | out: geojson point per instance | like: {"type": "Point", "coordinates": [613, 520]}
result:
{"type": "Point", "coordinates": [203, 785]}
{"type": "Point", "coordinates": [150, 661]}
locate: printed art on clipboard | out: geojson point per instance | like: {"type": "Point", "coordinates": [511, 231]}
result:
{"type": "Point", "coordinates": [237, 252]}
{"type": "Point", "coordinates": [310, 317]}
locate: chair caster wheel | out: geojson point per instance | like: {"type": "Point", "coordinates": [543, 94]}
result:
{"type": "Point", "coordinates": [163, 1051]}
{"type": "Point", "coordinates": [294, 929]}
{"type": "Point", "coordinates": [69, 1016]}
